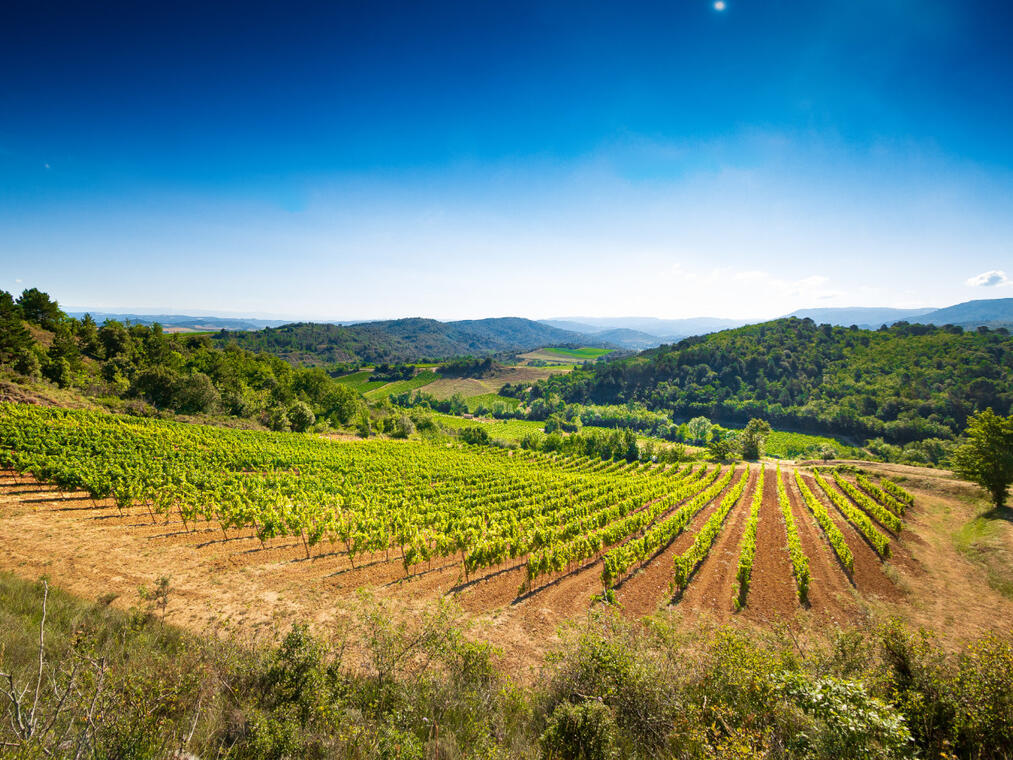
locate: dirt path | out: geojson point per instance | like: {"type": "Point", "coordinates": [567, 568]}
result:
{"type": "Point", "coordinates": [712, 585]}
{"type": "Point", "coordinates": [648, 588]}
{"type": "Point", "coordinates": [868, 574]}
{"type": "Point", "coordinates": [830, 590]}
{"type": "Point", "coordinates": [772, 590]}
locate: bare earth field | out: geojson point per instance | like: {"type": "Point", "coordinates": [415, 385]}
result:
{"type": "Point", "coordinates": [234, 582]}
{"type": "Point", "coordinates": [472, 386]}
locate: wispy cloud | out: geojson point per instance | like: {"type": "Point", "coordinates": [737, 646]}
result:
{"type": "Point", "coordinates": [990, 279]}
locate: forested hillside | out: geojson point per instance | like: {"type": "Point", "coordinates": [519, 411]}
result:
{"type": "Point", "coordinates": [145, 370]}
{"type": "Point", "coordinates": [399, 340]}
{"type": "Point", "coordinates": [905, 383]}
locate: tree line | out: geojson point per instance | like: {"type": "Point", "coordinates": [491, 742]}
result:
{"type": "Point", "coordinates": [143, 369]}
{"type": "Point", "coordinates": [903, 384]}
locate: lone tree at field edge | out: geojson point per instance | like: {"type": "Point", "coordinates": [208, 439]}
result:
{"type": "Point", "coordinates": [987, 456]}
{"type": "Point", "coordinates": [751, 439]}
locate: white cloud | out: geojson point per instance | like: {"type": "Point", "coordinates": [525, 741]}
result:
{"type": "Point", "coordinates": [989, 279]}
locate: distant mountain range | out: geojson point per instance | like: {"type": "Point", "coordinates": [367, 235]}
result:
{"type": "Point", "coordinates": [869, 318]}
{"type": "Point", "coordinates": [417, 338]}
{"type": "Point", "coordinates": [639, 333]}
{"type": "Point", "coordinates": [183, 322]}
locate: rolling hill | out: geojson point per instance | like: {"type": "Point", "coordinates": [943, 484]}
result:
{"type": "Point", "coordinates": [869, 318]}
{"type": "Point", "coordinates": [994, 312]}
{"type": "Point", "coordinates": [401, 340]}
{"type": "Point", "coordinates": [905, 383]}
{"type": "Point", "coordinates": [651, 332]}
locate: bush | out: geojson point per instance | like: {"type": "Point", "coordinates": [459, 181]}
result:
{"type": "Point", "coordinates": [277, 419]}
{"type": "Point", "coordinates": [301, 417]}
{"type": "Point", "coordinates": [196, 395]}
{"type": "Point", "coordinates": [584, 731]}
{"type": "Point", "coordinates": [847, 722]}
{"type": "Point", "coordinates": [475, 435]}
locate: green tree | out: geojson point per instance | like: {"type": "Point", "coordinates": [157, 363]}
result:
{"type": "Point", "coordinates": [752, 438]}
{"type": "Point", "coordinates": [38, 308]}
{"type": "Point", "coordinates": [196, 394]}
{"type": "Point", "coordinates": [986, 458]}
{"type": "Point", "coordinates": [15, 339]}
{"type": "Point", "coordinates": [698, 429]}
{"type": "Point", "coordinates": [722, 444]}
{"type": "Point", "coordinates": [301, 417]}
{"type": "Point", "coordinates": [87, 336]}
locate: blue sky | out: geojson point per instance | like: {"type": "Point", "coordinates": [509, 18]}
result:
{"type": "Point", "coordinates": [368, 160]}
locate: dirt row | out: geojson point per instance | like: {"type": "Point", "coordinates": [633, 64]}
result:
{"type": "Point", "coordinates": [94, 549]}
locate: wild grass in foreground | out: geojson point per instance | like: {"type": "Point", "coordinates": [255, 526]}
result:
{"type": "Point", "coordinates": [124, 685]}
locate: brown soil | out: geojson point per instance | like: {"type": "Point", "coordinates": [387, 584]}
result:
{"type": "Point", "coordinates": [237, 584]}
{"type": "Point", "coordinates": [712, 586]}
{"type": "Point", "coordinates": [868, 574]}
{"type": "Point", "coordinates": [772, 590]}
{"type": "Point", "coordinates": [829, 587]}
{"type": "Point", "coordinates": [649, 587]}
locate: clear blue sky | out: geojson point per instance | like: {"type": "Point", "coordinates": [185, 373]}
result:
{"type": "Point", "coordinates": [365, 160]}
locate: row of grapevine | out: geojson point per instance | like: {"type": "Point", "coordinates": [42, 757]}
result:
{"type": "Point", "coordinates": [897, 492]}
{"type": "Point", "coordinates": [799, 562]}
{"type": "Point", "coordinates": [884, 516]}
{"type": "Point", "coordinates": [856, 517]}
{"type": "Point", "coordinates": [877, 493]}
{"type": "Point", "coordinates": [558, 556]}
{"type": "Point", "coordinates": [618, 561]}
{"type": "Point", "coordinates": [421, 501]}
{"type": "Point", "coordinates": [830, 530]}
{"type": "Point", "coordinates": [686, 563]}
{"type": "Point", "coordinates": [747, 550]}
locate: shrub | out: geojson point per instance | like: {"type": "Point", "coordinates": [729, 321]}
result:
{"type": "Point", "coordinates": [301, 417]}
{"type": "Point", "coordinates": [475, 435]}
{"type": "Point", "coordinates": [584, 731]}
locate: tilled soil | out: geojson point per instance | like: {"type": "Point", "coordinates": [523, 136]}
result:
{"type": "Point", "coordinates": [830, 589]}
{"type": "Point", "coordinates": [711, 587]}
{"type": "Point", "coordinates": [649, 586]}
{"type": "Point", "coordinates": [230, 581]}
{"type": "Point", "coordinates": [868, 574]}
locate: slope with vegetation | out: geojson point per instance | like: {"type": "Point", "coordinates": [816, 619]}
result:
{"type": "Point", "coordinates": [125, 685]}
{"type": "Point", "coordinates": [399, 340]}
{"type": "Point", "coordinates": [142, 369]}
{"type": "Point", "coordinates": [906, 383]}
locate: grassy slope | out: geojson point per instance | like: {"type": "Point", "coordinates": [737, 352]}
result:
{"type": "Point", "coordinates": [578, 353]}
{"type": "Point", "coordinates": [420, 380]}
{"type": "Point", "coordinates": [506, 430]}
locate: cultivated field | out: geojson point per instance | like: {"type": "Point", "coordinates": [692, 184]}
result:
{"type": "Point", "coordinates": [443, 388]}
{"type": "Point", "coordinates": [257, 530]}
{"type": "Point", "coordinates": [566, 356]}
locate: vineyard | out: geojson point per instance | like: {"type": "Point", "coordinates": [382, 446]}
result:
{"type": "Point", "coordinates": [503, 526]}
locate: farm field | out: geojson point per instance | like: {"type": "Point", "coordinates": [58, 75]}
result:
{"type": "Point", "coordinates": [785, 445]}
{"type": "Point", "coordinates": [488, 399]}
{"type": "Point", "coordinates": [386, 390]}
{"type": "Point", "coordinates": [566, 355]}
{"type": "Point", "coordinates": [505, 430]}
{"type": "Point", "coordinates": [479, 386]}
{"type": "Point", "coordinates": [257, 529]}
{"type": "Point", "coordinates": [444, 388]}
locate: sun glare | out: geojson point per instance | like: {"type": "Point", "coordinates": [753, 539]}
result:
{"type": "Point", "coordinates": [719, 5]}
